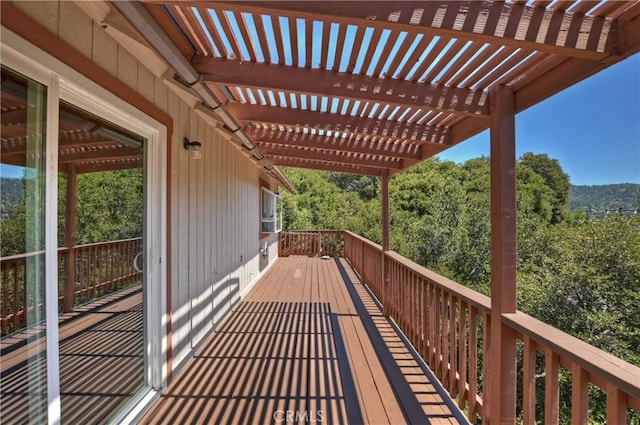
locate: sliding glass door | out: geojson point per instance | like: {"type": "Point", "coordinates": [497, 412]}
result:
{"type": "Point", "coordinates": [82, 220]}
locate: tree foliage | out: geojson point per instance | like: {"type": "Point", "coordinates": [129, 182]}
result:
{"type": "Point", "coordinates": [578, 274]}
{"type": "Point", "coordinates": [109, 207]}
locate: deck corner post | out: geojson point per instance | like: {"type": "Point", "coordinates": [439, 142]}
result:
{"type": "Point", "coordinates": [385, 241]}
{"type": "Point", "coordinates": [502, 348]}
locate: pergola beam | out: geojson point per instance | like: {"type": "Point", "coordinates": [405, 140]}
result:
{"type": "Point", "coordinates": [351, 143]}
{"type": "Point", "coordinates": [326, 155]}
{"type": "Point", "coordinates": [324, 166]}
{"type": "Point", "coordinates": [99, 154]}
{"type": "Point", "coordinates": [514, 25]}
{"type": "Point", "coordinates": [18, 144]}
{"type": "Point", "coordinates": [343, 85]}
{"type": "Point", "coordinates": [97, 166]}
{"type": "Point", "coordinates": [346, 123]}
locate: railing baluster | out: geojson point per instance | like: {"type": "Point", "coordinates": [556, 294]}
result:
{"type": "Point", "coordinates": [438, 336]}
{"type": "Point", "coordinates": [25, 299]}
{"type": "Point", "coordinates": [445, 340]}
{"type": "Point", "coordinates": [473, 364]}
{"type": "Point", "coordinates": [425, 321]}
{"type": "Point", "coordinates": [453, 367]}
{"type": "Point", "coordinates": [433, 313]}
{"type": "Point", "coordinates": [462, 354]}
{"type": "Point", "coordinates": [486, 368]}
{"type": "Point", "coordinates": [529, 382]}
{"type": "Point", "coordinates": [551, 388]}
{"type": "Point", "coordinates": [616, 406]}
{"type": "Point", "coordinates": [15, 297]}
{"type": "Point", "coordinates": [579, 395]}
{"type": "Point", "coordinates": [5, 299]}
{"type": "Point", "coordinates": [415, 302]}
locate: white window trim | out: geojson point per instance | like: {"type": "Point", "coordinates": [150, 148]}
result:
{"type": "Point", "coordinates": [65, 83]}
{"type": "Point", "coordinates": [277, 215]}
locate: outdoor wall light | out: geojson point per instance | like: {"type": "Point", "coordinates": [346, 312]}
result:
{"type": "Point", "coordinates": [194, 147]}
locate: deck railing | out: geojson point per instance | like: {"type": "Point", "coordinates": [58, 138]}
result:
{"type": "Point", "coordinates": [449, 326]}
{"type": "Point", "coordinates": [100, 268]}
{"type": "Point", "coordinates": [311, 243]}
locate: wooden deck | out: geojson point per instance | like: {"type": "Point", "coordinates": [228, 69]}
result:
{"type": "Point", "coordinates": [307, 345]}
{"type": "Point", "coordinates": [101, 363]}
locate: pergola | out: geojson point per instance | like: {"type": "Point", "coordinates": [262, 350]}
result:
{"type": "Point", "coordinates": [370, 87]}
{"type": "Point", "coordinates": [373, 88]}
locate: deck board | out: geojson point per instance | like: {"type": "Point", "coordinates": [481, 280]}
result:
{"type": "Point", "coordinates": [308, 344]}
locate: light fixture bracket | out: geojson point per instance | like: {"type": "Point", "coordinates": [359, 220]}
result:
{"type": "Point", "coordinates": [195, 148]}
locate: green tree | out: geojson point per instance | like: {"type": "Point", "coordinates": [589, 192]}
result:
{"type": "Point", "coordinates": [555, 178]}
{"type": "Point", "coordinates": [110, 206]}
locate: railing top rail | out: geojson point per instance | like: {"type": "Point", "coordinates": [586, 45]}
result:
{"type": "Point", "coordinates": [312, 231]}
{"type": "Point", "coordinates": [21, 256]}
{"type": "Point", "coordinates": [478, 300]}
{"type": "Point", "coordinates": [108, 242]}
{"type": "Point", "coordinates": [364, 240]}
{"type": "Point", "coordinates": [620, 373]}
{"type": "Point", "coordinates": [64, 248]}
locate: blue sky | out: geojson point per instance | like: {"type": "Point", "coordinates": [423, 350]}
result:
{"type": "Point", "coordinates": [592, 128]}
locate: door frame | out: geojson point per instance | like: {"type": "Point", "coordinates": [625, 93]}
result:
{"type": "Point", "coordinates": [65, 83]}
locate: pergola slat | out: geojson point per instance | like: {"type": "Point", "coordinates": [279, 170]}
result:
{"type": "Point", "coordinates": [373, 43]}
{"type": "Point", "coordinates": [245, 35]}
{"type": "Point", "coordinates": [353, 143]}
{"type": "Point", "coordinates": [324, 165]}
{"type": "Point", "coordinates": [262, 38]}
{"type": "Point", "coordinates": [327, 155]}
{"type": "Point", "coordinates": [405, 12]}
{"type": "Point", "coordinates": [226, 28]}
{"type": "Point", "coordinates": [357, 43]}
{"type": "Point", "coordinates": [293, 38]}
{"type": "Point", "coordinates": [197, 30]}
{"type": "Point", "coordinates": [340, 42]}
{"type": "Point", "coordinates": [210, 27]}
{"type": "Point", "coordinates": [277, 30]}
{"type": "Point", "coordinates": [324, 48]}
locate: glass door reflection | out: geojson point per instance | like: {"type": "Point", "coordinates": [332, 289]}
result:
{"type": "Point", "coordinates": [23, 369]}
{"type": "Point", "coordinates": [100, 191]}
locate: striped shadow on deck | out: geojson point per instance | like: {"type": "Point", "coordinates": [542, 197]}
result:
{"type": "Point", "coordinates": [302, 348]}
{"type": "Point", "coordinates": [101, 363]}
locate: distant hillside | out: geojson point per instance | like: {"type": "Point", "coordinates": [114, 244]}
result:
{"type": "Point", "coordinates": [600, 199]}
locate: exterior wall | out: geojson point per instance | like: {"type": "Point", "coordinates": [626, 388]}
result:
{"type": "Point", "coordinates": [215, 201]}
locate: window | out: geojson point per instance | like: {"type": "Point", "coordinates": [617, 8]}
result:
{"type": "Point", "coordinates": [271, 212]}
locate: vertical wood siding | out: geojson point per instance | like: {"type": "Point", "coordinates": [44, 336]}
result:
{"type": "Point", "coordinates": [215, 200]}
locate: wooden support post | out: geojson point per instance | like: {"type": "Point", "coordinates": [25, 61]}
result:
{"type": "Point", "coordinates": [502, 351]}
{"type": "Point", "coordinates": [385, 241]}
{"type": "Point", "coordinates": [70, 239]}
